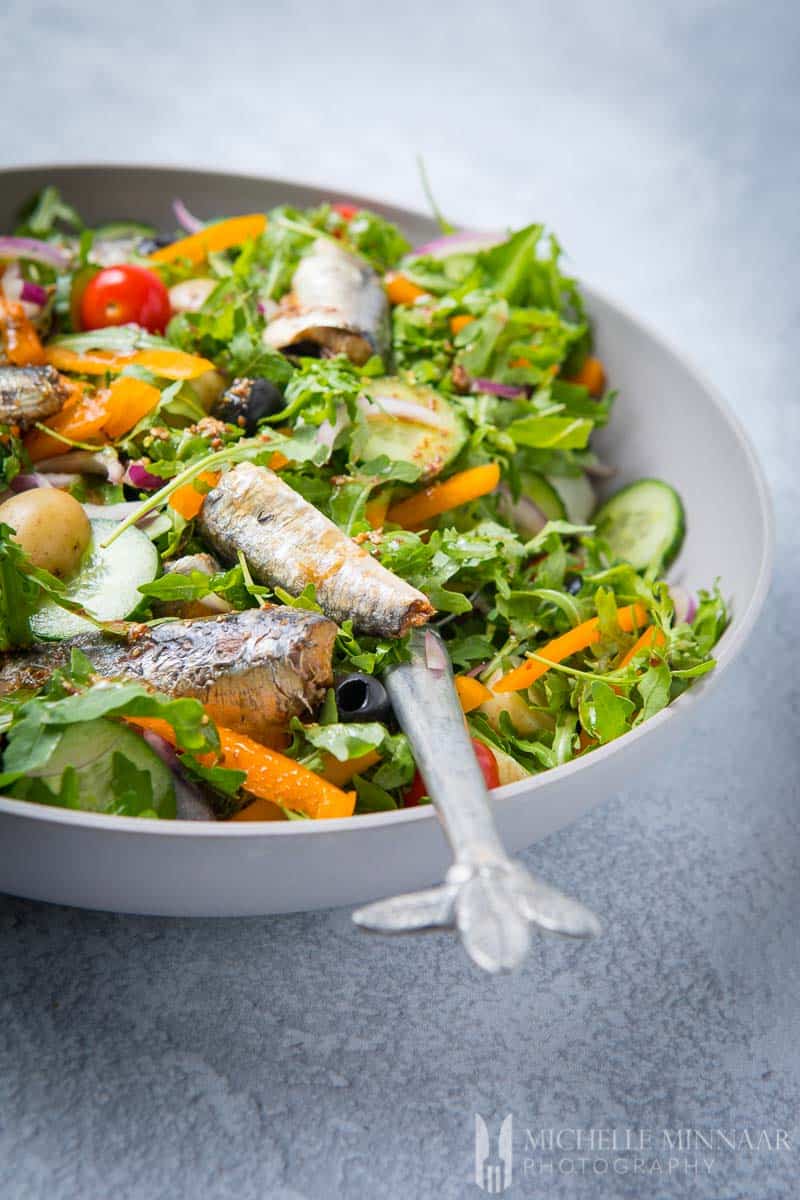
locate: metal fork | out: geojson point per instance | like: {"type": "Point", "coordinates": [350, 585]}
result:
{"type": "Point", "coordinates": [490, 899]}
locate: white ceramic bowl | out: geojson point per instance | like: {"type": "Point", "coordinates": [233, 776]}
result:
{"type": "Point", "coordinates": [668, 422]}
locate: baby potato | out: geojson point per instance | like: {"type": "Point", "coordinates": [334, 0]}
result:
{"type": "Point", "coordinates": [51, 527]}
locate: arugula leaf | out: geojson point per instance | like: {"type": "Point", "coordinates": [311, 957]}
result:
{"type": "Point", "coordinates": [19, 595]}
{"type": "Point", "coordinates": [654, 689]}
{"type": "Point", "coordinates": [40, 216]}
{"type": "Point", "coordinates": [372, 797]}
{"type": "Point", "coordinates": [604, 714]}
{"type": "Point", "coordinates": [39, 722]}
{"type": "Point", "coordinates": [551, 433]}
{"type": "Point", "coordinates": [345, 740]}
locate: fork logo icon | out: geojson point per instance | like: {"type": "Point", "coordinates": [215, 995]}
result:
{"type": "Point", "coordinates": [493, 1172]}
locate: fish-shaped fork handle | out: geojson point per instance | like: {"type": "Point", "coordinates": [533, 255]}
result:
{"type": "Point", "coordinates": [487, 897]}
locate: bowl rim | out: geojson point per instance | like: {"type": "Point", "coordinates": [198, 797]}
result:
{"type": "Point", "coordinates": [729, 646]}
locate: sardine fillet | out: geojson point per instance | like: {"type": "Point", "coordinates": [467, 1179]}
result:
{"type": "Point", "coordinates": [30, 394]}
{"type": "Point", "coordinates": [252, 670]}
{"type": "Point", "coordinates": [339, 303]}
{"type": "Point", "coordinates": [288, 543]}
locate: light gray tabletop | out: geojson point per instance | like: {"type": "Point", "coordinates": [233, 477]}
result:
{"type": "Point", "coordinates": [294, 1057]}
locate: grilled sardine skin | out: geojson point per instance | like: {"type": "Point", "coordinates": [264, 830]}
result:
{"type": "Point", "coordinates": [339, 304]}
{"type": "Point", "coordinates": [288, 543]}
{"type": "Point", "coordinates": [30, 394]}
{"type": "Point", "coordinates": [252, 670]}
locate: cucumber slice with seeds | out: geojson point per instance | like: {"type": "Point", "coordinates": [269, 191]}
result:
{"type": "Point", "coordinates": [644, 523]}
{"type": "Point", "coordinates": [429, 445]}
{"type": "Point", "coordinates": [107, 584]}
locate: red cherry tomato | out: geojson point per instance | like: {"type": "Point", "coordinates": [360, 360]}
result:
{"type": "Point", "coordinates": [345, 211]}
{"type": "Point", "coordinates": [124, 294]}
{"type": "Point", "coordinates": [486, 761]}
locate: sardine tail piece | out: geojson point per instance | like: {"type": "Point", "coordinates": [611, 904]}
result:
{"type": "Point", "coordinates": [416, 910]}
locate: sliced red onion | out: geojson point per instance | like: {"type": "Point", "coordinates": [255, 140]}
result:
{"type": "Point", "coordinates": [185, 219]}
{"type": "Point", "coordinates": [152, 523]}
{"type": "Point", "coordinates": [191, 804]}
{"type": "Point", "coordinates": [685, 603]}
{"type": "Point", "coordinates": [405, 410]}
{"type": "Point", "coordinates": [33, 293]}
{"type": "Point", "coordinates": [599, 470]}
{"type": "Point", "coordinates": [22, 247]}
{"type": "Point", "coordinates": [26, 482]}
{"type": "Point", "coordinates": [435, 654]}
{"type": "Point", "coordinates": [466, 241]}
{"type": "Point", "coordinates": [138, 476]}
{"type": "Point", "coordinates": [15, 287]}
{"type": "Point", "coordinates": [523, 513]}
{"type": "Point", "coordinates": [508, 391]}
{"type": "Point", "coordinates": [86, 462]}
{"type": "Point", "coordinates": [474, 672]}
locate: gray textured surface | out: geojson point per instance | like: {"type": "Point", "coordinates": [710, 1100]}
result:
{"type": "Point", "coordinates": [294, 1057]}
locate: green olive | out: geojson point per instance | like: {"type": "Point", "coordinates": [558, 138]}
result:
{"type": "Point", "coordinates": [51, 527]}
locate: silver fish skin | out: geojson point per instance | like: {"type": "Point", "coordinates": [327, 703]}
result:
{"type": "Point", "coordinates": [338, 303]}
{"type": "Point", "coordinates": [30, 394]}
{"type": "Point", "coordinates": [288, 543]}
{"type": "Point", "coordinates": [252, 670]}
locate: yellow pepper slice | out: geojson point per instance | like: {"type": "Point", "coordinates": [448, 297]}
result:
{"type": "Point", "coordinates": [197, 246]}
{"type": "Point", "coordinates": [167, 363]}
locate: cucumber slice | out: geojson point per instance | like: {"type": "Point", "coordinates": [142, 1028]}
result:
{"type": "Point", "coordinates": [89, 748]}
{"type": "Point", "coordinates": [578, 496]}
{"type": "Point", "coordinates": [644, 523]}
{"type": "Point", "coordinates": [107, 583]}
{"type": "Point", "coordinates": [430, 446]}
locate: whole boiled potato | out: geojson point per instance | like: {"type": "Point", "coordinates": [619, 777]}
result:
{"type": "Point", "coordinates": [50, 526]}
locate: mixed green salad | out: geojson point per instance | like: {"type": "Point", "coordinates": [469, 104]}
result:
{"type": "Point", "coordinates": [241, 460]}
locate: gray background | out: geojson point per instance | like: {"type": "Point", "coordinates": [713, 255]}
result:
{"type": "Point", "coordinates": [292, 1057]}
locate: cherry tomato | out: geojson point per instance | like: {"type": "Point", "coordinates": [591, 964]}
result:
{"type": "Point", "coordinates": [486, 761]}
{"type": "Point", "coordinates": [345, 211]}
{"type": "Point", "coordinates": [124, 294]}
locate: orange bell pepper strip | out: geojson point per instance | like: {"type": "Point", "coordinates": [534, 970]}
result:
{"type": "Point", "coordinates": [278, 461]}
{"type": "Point", "coordinates": [471, 692]}
{"type": "Point", "coordinates": [631, 617]}
{"type": "Point", "coordinates": [187, 500]}
{"type": "Point", "coordinates": [376, 509]}
{"type": "Point", "coordinates": [80, 420]}
{"type": "Point", "coordinates": [401, 290]}
{"type": "Point", "coordinates": [173, 364]}
{"type": "Point", "coordinates": [341, 773]}
{"type": "Point", "coordinates": [98, 362]}
{"type": "Point", "coordinates": [270, 776]}
{"type": "Point", "coordinates": [651, 637]}
{"type": "Point", "coordinates": [274, 777]}
{"type": "Point", "coordinates": [168, 363]}
{"type": "Point", "coordinates": [127, 401]}
{"type": "Point", "coordinates": [592, 376]}
{"type": "Point", "coordinates": [197, 246]}
{"type": "Point", "coordinates": [441, 497]}
{"type": "Point", "coordinates": [19, 338]}
{"type": "Point", "coordinates": [105, 414]}
{"type": "Point", "coordinates": [460, 322]}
